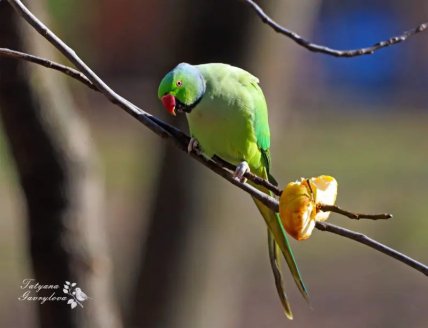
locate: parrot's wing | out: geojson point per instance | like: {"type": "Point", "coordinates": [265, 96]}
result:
{"type": "Point", "coordinates": [260, 118]}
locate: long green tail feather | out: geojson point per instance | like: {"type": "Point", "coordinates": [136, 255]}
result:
{"type": "Point", "coordinates": [276, 269]}
{"type": "Point", "coordinates": [277, 230]}
{"type": "Point", "coordinates": [275, 226]}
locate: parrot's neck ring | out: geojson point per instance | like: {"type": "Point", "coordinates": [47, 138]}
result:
{"type": "Point", "coordinates": [181, 107]}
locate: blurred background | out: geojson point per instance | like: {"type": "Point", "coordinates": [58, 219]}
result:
{"type": "Point", "coordinates": [90, 195]}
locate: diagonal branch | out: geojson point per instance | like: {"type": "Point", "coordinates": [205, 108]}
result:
{"type": "Point", "coordinates": [71, 55]}
{"type": "Point", "coordinates": [329, 51]}
{"type": "Point", "coordinates": [164, 130]}
{"type": "Point", "coordinates": [323, 226]}
{"type": "Point", "coordinates": [75, 74]}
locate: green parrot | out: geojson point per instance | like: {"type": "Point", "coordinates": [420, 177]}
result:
{"type": "Point", "coordinates": [227, 116]}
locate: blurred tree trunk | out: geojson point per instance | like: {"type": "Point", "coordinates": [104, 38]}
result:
{"type": "Point", "coordinates": [210, 31]}
{"type": "Point", "coordinates": [59, 178]}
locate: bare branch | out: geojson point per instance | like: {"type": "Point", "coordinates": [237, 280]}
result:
{"type": "Point", "coordinates": [71, 55]}
{"type": "Point", "coordinates": [329, 51]}
{"type": "Point", "coordinates": [49, 64]}
{"type": "Point", "coordinates": [173, 134]}
{"type": "Point", "coordinates": [324, 226]}
{"type": "Point", "coordinates": [250, 176]}
{"type": "Point", "coordinates": [354, 216]}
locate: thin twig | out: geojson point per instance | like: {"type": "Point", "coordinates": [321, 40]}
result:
{"type": "Point", "coordinates": [71, 55]}
{"type": "Point", "coordinates": [329, 51]}
{"type": "Point", "coordinates": [354, 216]}
{"type": "Point", "coordinates": [74, 73]}
{"type": "Point", "coordinates": [361, 238]}
{"type": "Point", "coordinates": [180, 139]}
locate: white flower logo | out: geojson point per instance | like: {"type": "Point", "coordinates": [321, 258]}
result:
{"type": "Point", "coordinates": [77, 296]}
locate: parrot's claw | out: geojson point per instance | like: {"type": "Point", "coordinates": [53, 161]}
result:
{"type": "Point", "coordinates": [193, 145]}
{"type": "Point", "coordinates": [240, 171]}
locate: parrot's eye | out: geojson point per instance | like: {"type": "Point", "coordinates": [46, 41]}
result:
{"type": "Point", "coordinates": [179, 83]}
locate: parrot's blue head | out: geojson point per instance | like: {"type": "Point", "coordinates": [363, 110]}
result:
{"type": "Point", "coordinates": [182, 88]}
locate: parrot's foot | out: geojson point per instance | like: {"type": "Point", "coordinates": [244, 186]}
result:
{"type": "Point", "coordinates": [240, 171]}
{"type": "Point", "coordinates": [193, 146]}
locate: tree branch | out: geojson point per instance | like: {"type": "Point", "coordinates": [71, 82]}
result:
{"type": "Point", "coordinates": [361, 238]}
{"type": "Point", "coordinates": [354, 216]}
{"type": "Point", "coordinates": [181, 140]}
{"type": "Point", "coordinates": [250, 176]}
{"type": "Point", "coordinates": [71, 55]}
{"type": "Point", "coordinates": [75, 74]}
{"type": "Point", "coordinates": [329, 51]}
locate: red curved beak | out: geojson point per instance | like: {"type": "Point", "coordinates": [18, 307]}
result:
{"type": "Point", "coordinates": [168, 101]}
